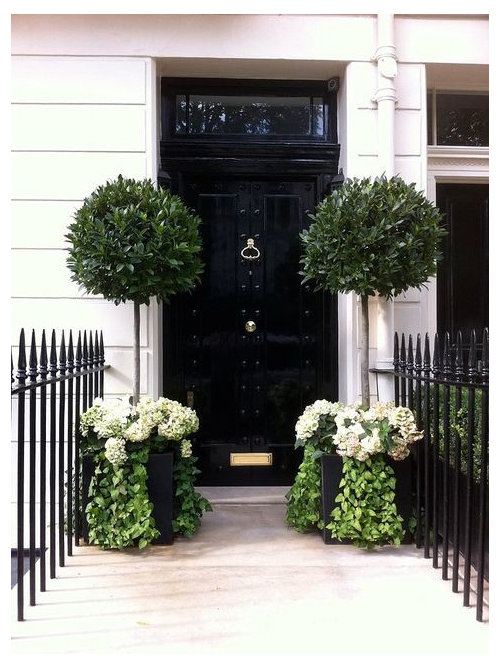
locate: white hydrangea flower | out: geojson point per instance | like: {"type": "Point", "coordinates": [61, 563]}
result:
{"type": "Point", "coordinates": [371, 444]}
{"type": "Point", "coordinates": [308, 422]}
{"type": "Point", "coordinates": [348, 443]}
{"type": "Point", "coordinates": [403, 420]}
{"type": "Point", "coordinates": [306, 426]}
{"type": "Point", "coordinates": [181, 422]}
{"type": "Point", "coordinates": [377, 411]}
{"type": "Point", "coordinates": [114, 450]}
{"type": "Point", "coordinates": [347, 414]}
{"type": "Point", "coordinates": [357, 432]}
{"type": "Point", "coordinates": [186, 448]}
{"type": "Point", "coordinates": [138, 431]}
{"type": "Point", "coordinates": [106, 419]}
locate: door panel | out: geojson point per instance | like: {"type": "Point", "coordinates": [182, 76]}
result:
{"type": "Point", "coordinates": [249, 336]}
{"type": "Point", "coordinates": [462, 277]}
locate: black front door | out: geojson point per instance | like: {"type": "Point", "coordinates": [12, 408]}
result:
{"type": "Point", "coordinates": [252, 346]}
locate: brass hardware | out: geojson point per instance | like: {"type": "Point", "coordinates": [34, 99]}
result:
{"type": "Point", "coordinates": [250, 326]}
{"type": "Point", "coordinates": [250, 252]}
{"type": "Point", "coordinates": [251, 459]}
{"type": "Point", "coordinates": [190, 399]}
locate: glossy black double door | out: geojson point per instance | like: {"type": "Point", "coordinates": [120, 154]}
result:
{"type": "Point", "coordinates": [245, 349]}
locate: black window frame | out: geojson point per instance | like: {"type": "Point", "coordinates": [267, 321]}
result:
{"type": "Point", "coordinates": [172, 87]}
{"type": "Point", "coordinates": [432, 115]}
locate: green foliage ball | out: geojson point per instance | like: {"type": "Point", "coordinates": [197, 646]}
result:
{"type": "Point", "coordinates": [132, 241]}
{"type": "Point", "coordinates": [372, 237]}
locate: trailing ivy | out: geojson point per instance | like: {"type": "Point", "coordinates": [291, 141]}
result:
{"type": "Point", "coordinates": [313, 431]}
{"type": "Point", "coordinates": [189, 505]}
{"type": "Point", "coordinates": [365, 511]}
{"type": "Point", "coordinates": [119, 510]}
{"type": "Point", "coordinates": [304, 497]}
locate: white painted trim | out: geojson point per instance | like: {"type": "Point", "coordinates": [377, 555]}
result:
{"type": "Point", "coordinates": [155, 333]}
{"type": "Point", "coordinates": [452, 164]}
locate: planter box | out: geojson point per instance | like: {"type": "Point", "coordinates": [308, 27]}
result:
{"type": "Point", "coordinates": [160, 490]}
{"type": "Point", "coordinates": [331, 473]}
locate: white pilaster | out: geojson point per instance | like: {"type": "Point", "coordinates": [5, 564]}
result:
{"type": "Point", "coordinates": [385, 98]}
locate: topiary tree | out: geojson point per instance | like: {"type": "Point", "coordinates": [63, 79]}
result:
{"type": "Point", "coordinates": [133, 241]}
{"type": "Point", "coordinates": [379, 237]}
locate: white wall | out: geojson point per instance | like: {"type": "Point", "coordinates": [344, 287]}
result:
{"type": "Point", "coordinates": [85, 108]}
{"type": "Point", "coordinates": [326, 38]}
{"type": "Point", "coordinates": [76, 122]}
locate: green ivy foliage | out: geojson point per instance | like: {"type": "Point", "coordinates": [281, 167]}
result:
{"type": "Point", "coordinates": [131, 241]}
{"type": "Point", "coordinates": [459, 428]}
{"type": "Point", "coordinates": [365, 511]}
{"type": "Point", "coordinates": [372, 237]}
{"type": "Point", "coordinates": [303, 511]}
{"type": "Point", "coordinates": [189, 505]}
{"type": "Point", "coordinates": [119, 510]}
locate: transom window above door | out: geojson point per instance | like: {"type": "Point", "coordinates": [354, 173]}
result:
{"type": "Point", "coordinates": [249, 115]}
{"type": "Point", "coordinates": [250, 109]}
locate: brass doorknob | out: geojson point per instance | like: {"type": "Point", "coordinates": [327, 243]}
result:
{"type": "Point", "coordinates": [250, 326]}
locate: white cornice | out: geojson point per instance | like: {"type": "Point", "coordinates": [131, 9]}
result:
{"type": "Point", "coordinates": [466, 161]}
{"type": "Point", "coordinates": [465, 152]}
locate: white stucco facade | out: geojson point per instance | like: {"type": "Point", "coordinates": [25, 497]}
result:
{"type": "Point", "coordinates": [85, 107]}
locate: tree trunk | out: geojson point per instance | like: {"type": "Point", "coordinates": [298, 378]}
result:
{"type": "Point", "coordinates": [136, 375]}
{"type": "Point", "coordinates": [365, 343]}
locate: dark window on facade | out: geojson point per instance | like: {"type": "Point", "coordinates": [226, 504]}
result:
{"type": "Point", "coordinates": [266, 110]}
{"type": "Point", "coordinates": [457, 119]}
{"type": "Point", "coordinates": [249, 115]}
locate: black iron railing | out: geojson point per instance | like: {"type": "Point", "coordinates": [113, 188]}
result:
{"type": "Point", "coordinates": [48, 396]}
{"type": "Point", "coordinates": [448, 394]}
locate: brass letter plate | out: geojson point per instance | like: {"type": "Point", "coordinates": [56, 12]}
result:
{"type": "Point", "coordinates": [251, 459]}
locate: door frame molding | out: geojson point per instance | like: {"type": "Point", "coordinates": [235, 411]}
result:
{"type": "Point", "coordinates": [450, 164]}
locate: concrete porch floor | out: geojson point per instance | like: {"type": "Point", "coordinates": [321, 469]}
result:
{"type": "Point", "coordinates": [247, 584]}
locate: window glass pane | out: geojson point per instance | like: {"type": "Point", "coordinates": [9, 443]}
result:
{"type": "Point", "coordinates": [318, 119]}
{"type": "Point", "coordinates": [462, 119]}
{"type": "Point", "coordinates": [180, 114]}
{"type": "Point", "coordinates": [429, 119]}
{"type": "Point", "coordinates": [251, 115]}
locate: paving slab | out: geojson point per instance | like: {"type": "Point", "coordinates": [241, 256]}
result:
{"type": "Point", "coordinates": [247, 584]}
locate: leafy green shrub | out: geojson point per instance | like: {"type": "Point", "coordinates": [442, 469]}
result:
{"type": "Point", "coordinates": [133, 241]}
{"type": "Point", "coordinates": [459, 427]}
{"type": "Point", "coordinates": [379, 237]}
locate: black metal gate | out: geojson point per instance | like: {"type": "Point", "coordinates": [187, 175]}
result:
{"type": "Point", "coordinates": [50, 389]}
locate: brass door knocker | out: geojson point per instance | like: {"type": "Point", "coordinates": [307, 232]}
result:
{"type": "Point", "coordinates": [250, 252]}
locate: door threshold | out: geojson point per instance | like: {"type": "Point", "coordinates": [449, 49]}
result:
{"type": "Point", "coordinates": [244, 494]}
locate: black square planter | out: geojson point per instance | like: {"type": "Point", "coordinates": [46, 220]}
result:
{"type": "Point", "coordinates": [160, 467]}
{"type": "Point", "coordinates": [331, 473]}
